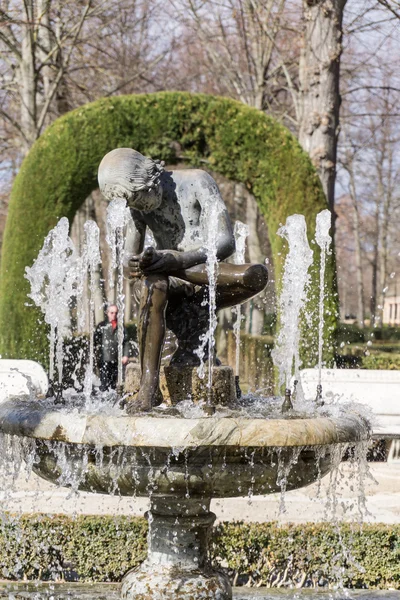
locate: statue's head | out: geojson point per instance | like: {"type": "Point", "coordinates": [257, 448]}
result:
{"type": "Point", "coordinates": [125, 173]}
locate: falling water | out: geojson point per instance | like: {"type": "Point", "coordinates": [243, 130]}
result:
{"type": "Point", "coordinates": [118, 216]}
{"type": "Point", "coordinates": [90, 260]}
{"type": "Point", "coordinates": [324, 240]}
{"type": "Point", "coordinates": [241, 232]}
{"type": "Point", "coordinates": [293, 296]}
{"type": "Point", "coordinates": [53, 280]}
{"type": "Point", "coordinates": [210, 218]}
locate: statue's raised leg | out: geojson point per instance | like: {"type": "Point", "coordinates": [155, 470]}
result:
{"type": "Point", "coordinates": [188, 317]}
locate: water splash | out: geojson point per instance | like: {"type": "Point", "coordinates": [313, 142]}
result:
{"type": "Point", "coordinates": [118, 216]}
{"type": "Point", "coordinates": [53, 278]}
{"type": "Point", "coordinates": [324, 240]}
{"type": "Point", "coordinates": [90, 261]}
{"type": "Point", "coordinates": [241, 232]}
{"type": "Point", "coordinates": [210, 224]}
{"type": "Point", "coordinates": [292, 298]}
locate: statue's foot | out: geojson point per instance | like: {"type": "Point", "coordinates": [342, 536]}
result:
{"type": "Point", "coordinates": [138, 402]}
{"type": "Point", "coordinates": [186, 358]}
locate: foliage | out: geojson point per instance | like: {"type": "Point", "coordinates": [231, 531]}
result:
{"type": "Point", "coordinates": [104, 548]}
{"type": "Point", "coordinates": [363, 359]}
{"type": "Point", "coordinates": [352, 334]}
{"type": "Point", "coordinates": [386, 333]}
{"type": "Point", "coordinates": [47, 547]}
{"type": "Point", "coordinates": [389, 361]}
{"type": "Point", "coordinates": [311, 554]}
{"type": "Point", "coordinates": [371, 349]}
{"type": "Point", "coordinates": [348, 334]}
{"type": "Point", "coordinates": [60, 171]}
{"type": "Point", "coordinates": [270, 323]}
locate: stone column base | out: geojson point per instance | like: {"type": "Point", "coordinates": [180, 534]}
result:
{"type": "Point", "coordinates": [148, 583]}
{"type": "Point", "coordinates": [177, 566]}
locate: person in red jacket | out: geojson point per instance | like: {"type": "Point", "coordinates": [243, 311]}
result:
{"type": "Point", "coordinates": [106, 349]}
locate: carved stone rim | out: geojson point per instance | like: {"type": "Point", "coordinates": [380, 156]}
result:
{"type": "Point", "coordinates": [31, 419]}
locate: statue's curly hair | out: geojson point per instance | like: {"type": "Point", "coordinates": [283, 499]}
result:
{"type": "Point", "coordinates": [124, 171]}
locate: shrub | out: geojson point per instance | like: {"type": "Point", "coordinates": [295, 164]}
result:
{"type": "Point", "coordinates": [310, 554]}
{"type": "Point", "coordinates": [92, 548]}
{"type": "Point", "coordinates": [349, 334]}
{"type": "Point", "coordinates": [381, 361]}
{"type": "Point", "coordinates": [48, 547]}
{"type": "Point", "coordinates": [385, 333]}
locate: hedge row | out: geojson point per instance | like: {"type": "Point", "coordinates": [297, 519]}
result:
{"type": "Point", "coordinates": [351, 333]}
{"type": "Point", "coordinates": [372, 348]}
{"type": "Point", "coordinates": [103, 549]}
{"type": "Point", "coordinates": [383, 361]}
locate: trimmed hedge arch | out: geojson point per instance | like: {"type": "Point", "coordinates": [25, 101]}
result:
{"type": "Point", "coordinates": [61, 170]}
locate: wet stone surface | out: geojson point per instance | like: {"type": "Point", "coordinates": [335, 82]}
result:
{"type": "Point", "coordinates": [106, 591]}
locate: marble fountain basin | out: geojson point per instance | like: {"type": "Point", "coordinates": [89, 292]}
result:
{"type": "Point", "coordinates": [215, 456]}
{"type": "Point", "coordinates": [180, 464]}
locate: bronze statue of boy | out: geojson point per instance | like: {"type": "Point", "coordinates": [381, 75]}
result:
{"type": "Point", "coordinates": [171, 279]}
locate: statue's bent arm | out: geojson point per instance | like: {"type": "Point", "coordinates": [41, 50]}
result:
{"type": "Point", "coordinates": [134, 240]}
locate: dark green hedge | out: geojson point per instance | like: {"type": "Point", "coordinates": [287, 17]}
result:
{"type": "Point", "coordinates": [89, 548]}
{"type": "Point", "coordinates": [388, 361]}
{"type": "Point", "coordinates": [61, 170]}
{"type": "Point", "coordinates": [351, 334]}
{"type": "Point", "coordinates": [105, 548]}
{"type": "Point", "coordinates": [312, 554]}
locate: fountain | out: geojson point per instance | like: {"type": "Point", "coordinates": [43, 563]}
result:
{"type": "Point", "coordinates": [182, 456]}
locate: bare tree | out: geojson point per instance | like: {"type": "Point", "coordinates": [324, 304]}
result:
{"type": "Point", "coordinates": [348, 160]}
{"type": "Point", "coordinates": [38, 58]}
{"type": "Point", "coordinates": [385, 140]}
{"type": "Point", "coordinates": [249, 47]}
{"type": "Point", "coordinates": [368, 157]}
{"type": "Point", "coordinates": [59, 54]}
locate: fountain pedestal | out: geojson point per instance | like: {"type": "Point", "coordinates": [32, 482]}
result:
{"type": "Point", "coordinates": [177, 565]}
{"type": "Point", "coordinates": [180, 383]}
{"type": "Point", "coordinates": [180, 463]}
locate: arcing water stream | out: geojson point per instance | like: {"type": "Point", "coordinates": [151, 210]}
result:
{"type": "Point", "coordinates": [324, 241]}
{"type": "Point", "coordinates": [241, 232]}
{"type": "Point", "coordinates": [292, 298]}
{"type": "Point", "coordinates": [210, 219]}
{"type": "Point", "coordinates": [118, 216]}
{"type": "Point", "coordinates": [91, 258]}
{"type": "Point", "coordinates": [53, 278]}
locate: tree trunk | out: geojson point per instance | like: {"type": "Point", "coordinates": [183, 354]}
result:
{"type": "Point", "coordinates": [385, 189]}
{"type": "Point", "coordinates": [375, 259]}
{"type": "Point", "coordinates": [255, 323]}
{"type": "Point", "coordinates": [44, 43]}
{"type": "Point", "coordinates": [358, 252]}
{"type": "Point", "coordinates": [27, 80]}
{"type": "Point", "coordinates": [319, 99]}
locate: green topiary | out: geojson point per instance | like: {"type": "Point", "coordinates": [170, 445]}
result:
{"type": "Point", "coordinates": [60, 171]}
